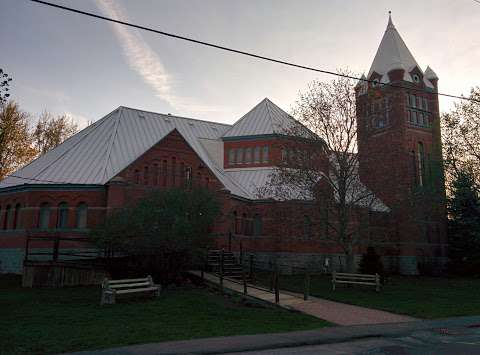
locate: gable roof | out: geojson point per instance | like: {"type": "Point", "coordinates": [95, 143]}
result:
{"type": "Point", "coordinates": [103, 149]}
{"type": "Point", "coordinates": [264, 118]}
{"type": "Point", "coordinates": [392, 54]}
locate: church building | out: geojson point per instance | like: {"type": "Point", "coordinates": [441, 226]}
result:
{"type": "Point", "coordinates": [129, 153]}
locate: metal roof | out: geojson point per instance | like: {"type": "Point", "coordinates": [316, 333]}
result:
{"type": "Point", "coordinates": [101, 151]}
{"type": "Point", "coordinates": [265, 118]}
{"type": "Point", "coordinates": [392, 54]}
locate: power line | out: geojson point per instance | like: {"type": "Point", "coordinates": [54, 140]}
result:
{"type": "Point", "coordinates": [237, 51]}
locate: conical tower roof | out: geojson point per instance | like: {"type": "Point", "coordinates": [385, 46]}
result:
{"type": "Point", "coordinates": [392, 53]}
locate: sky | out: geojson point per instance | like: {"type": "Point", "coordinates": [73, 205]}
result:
{"type": "Point", "coordinates": [68, 63]}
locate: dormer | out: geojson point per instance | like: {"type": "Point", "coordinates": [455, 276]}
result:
{"type": "Point", "coordinates": [255, 140]}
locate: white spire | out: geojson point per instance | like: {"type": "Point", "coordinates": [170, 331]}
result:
{"type": "Point", "coordinates": [392, 53]}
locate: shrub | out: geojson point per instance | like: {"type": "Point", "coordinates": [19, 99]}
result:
{"type": "Point", "coordinates": [161, 235]}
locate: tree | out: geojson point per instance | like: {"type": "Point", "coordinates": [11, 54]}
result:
{"type": "Point", "coordinates": [51, 131]}
{"type": "Point", "coordinates": [162, 233]}
{"type": "Point", "coordinates": [4, 87]}
{"type": "Point", "coordinates": [320, 163]}
{"type": "Point", "coordinates": [464, 224]}
{"type": "Point", "coordinates": [15, 139]}
{"type": "Point", "coordinates": [461, 139]}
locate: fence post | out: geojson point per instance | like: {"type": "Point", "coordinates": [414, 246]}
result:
{"type": "Point", "coordinates": [306, 290]}
{"type": "Point", "coordinates": [333, 279]}
{"type": "Point", "coordinates": [277, 292]}
{"type": "Point", "coordinates": [377, 282]}
{"type": "Point", "coordinates": [241, 253]}
{"type": "Point", "coordinates": [272, 275]}
{"type": "Point", "coordinates": [244, 281]}
{"type": "Point", "coordinates": [221, 271]}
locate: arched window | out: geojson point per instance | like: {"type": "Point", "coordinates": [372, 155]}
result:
{"type": "Point", "coordinates": [62, 215]}
{"type": "Point", "coordinates": [81, 215]}
{"type": "Point", "coordinates": [421, 164]}
{"type": "Point", "coordinates": [174, 170]}
{"type": "Point", "coordinates": [44, 216]}
{"type": "Point", "coordinates": [307, 226]}
{"type": "Point", "coordinates": [155, 174]}
{"type": "Point", "coordinates": [182, 173]}
{"type": "Point", "coordinates": [7, 217]}
{"type": "Point", "coordinates": [236, 222]}
{"type": "Point", "coordinates": [145, 175]}
{"type": "Point", "coordinates": [164, 173]}
{"type": "Point", "coordinates": [17, 217]}
{"type": "Point", "coordinates": [136, 176]}
{"type": "Point", "coordinates": [244, 224]}
{"type": "Point", "coordinates": [257, 225]}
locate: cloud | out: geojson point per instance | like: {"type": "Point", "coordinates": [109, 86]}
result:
{"type": "Point", "coordinates": [142, 58]}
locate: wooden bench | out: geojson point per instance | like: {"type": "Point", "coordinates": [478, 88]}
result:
{"type": "Point", "coordinates": [111, 288]}
{"type": "Point", "coordinates": [360, 279]}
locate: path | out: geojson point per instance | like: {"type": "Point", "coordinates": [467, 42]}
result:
{"type": "Point", "coordinates": [334, 312]}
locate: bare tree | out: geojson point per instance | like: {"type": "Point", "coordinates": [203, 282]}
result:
{"type": "Point", "coordinates": [322, 165]}
{"type": "Point", "coordinates": [51, 131]}
{"type": "Point", "coordinates": [4, 87]}
{"type": "Point", "coordinates": [461, 139]}
{"type": "Point", "coordinates": [15, 139]}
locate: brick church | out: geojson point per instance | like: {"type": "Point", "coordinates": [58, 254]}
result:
{"type": "Point", "coordinates": [129, 152]}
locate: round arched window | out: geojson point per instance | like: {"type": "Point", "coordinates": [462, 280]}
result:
{"type": "Point", "coordinates": [416, 78]}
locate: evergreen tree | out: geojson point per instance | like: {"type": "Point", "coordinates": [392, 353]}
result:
{"type": "Point", "coordinates": [464, 225]}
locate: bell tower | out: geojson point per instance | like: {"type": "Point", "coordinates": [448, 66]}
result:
{"type": "Point", "coordinates": [399, 146]}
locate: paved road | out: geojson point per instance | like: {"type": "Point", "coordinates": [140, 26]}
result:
{"type": "Point", "coordinates": [459, 342]}
{"type": "Point", "coordinates": [456, 336]}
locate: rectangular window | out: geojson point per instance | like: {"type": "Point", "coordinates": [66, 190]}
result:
{"type": "Point", "coordinates": [231, 156]}
{"type": "Point", "coordinates": [413, 101]}
{"type": "Point", "coordinates": [425, 104]}
{"type": "Point", "coordinates": [409, 116]}
{"type": "Point", "coordinates": [414, 117]}
{"type": "Point", "coordinates": [256, 155]}
{"type": "Point", "coordinates": [239, 155]}
{"type": "Point", "coordinates": [145, 175]}
{"type": "Point", "coordinates": [265, 154]}
{"type": "Point", "coordinates": [419, 102]}
{"type": "Point", "coordinates": [248, 155]}
{"type": "Point", "coordinates": [420, 119]}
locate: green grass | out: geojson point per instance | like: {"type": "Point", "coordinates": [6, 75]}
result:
{"type": "Point", "coordinates": [44, 321]}
{"type": "Point", "coordinates": [422, 297]}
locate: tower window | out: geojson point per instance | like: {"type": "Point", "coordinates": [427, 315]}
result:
{"type": "Point", "coordinates": [416, 78]}
{"type": "Point", "coordinates": [421, 164]}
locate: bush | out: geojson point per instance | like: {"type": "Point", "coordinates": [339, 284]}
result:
{"type": "Point", "coordinates": [162, 235]}
{"type": "Point", "coordinates": [371, 263]}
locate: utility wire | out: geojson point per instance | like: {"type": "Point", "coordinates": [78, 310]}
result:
{"type": "Point", "coordinates": [237, 51]}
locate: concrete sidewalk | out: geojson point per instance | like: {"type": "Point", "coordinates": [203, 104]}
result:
{"type": "Point", "coordinates": [333, 312]}
{"type": "Point", "coordinates": [259, 342]}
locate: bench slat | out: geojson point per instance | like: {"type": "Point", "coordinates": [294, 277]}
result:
{"type": "Point", "coordinates": [129, 285]}
{"type": "Point", "coordinates": [145, 279]}
{"type": "Point", "coordinates": [355, 282]}
{"type": "Point", "coordinates": [133, 290]}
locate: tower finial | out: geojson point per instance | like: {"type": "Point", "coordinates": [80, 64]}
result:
{"type": "Point", "coordinates": [390, 22]}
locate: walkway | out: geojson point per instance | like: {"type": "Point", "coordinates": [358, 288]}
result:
{"type": "Point", "coordinates": [333, 312]}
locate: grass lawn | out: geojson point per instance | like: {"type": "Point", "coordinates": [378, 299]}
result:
{"type": "Point", "coordinates": [422, 297]}
{"type": "Point", "coordinates": [44, 321]}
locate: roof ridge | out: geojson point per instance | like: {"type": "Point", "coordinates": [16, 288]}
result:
{"type": "Point", "coordinates": [241, 118]}
{"type": "Point", "coordinates": [104, 119]}
{"type": "Point", "coordinates": [112, 141]}
{"type": "Point", "coordinates": [181, 117]}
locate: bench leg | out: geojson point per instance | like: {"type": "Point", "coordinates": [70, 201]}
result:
{"type": "Point", "coordinates": [157, 292]}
